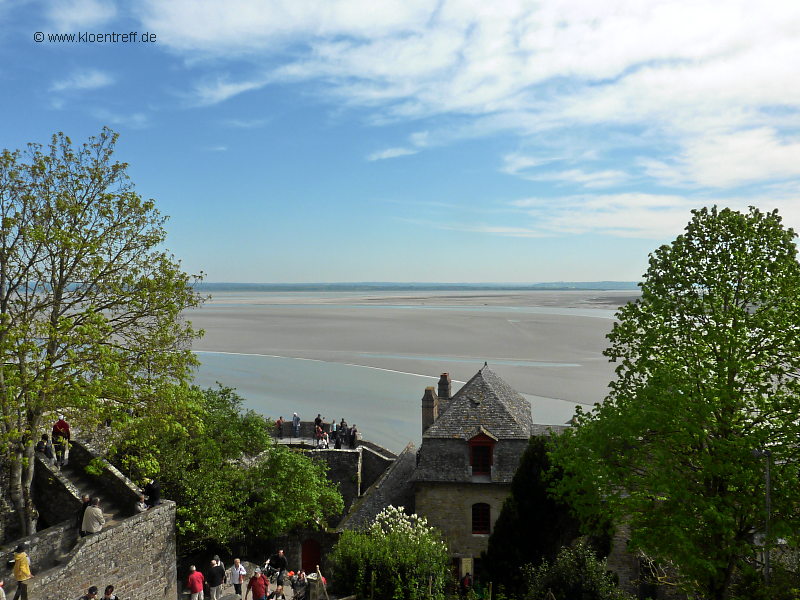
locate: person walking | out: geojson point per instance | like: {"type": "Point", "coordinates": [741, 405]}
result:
{"type": "Point", "coordinates": [109, 593]}
{"type": "Point", "coordinates": [195, 583]}
{"type": "Point", "coordinates": [258, 584]}
{"type": "Point", "coordinates": [216, 575]}
{"type": "Point", "coordinates": [93, 519]}
{"type": "Point", "coordinates": [236, 576]}
{"type": "Point", "coordinates": [22, 572]}
{"type": "Point", "coordinates": [61, 437]}
{"type": "Point", "coordinates": [279, 427]}
{"type": "Point", "coordinates": [91, 594]}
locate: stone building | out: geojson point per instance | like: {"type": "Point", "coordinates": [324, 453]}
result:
{"type": "Point", "coordinates": [471, 446]}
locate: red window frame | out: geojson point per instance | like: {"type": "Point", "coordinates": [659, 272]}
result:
{"type": "Point", "coordinates": [481, 454]}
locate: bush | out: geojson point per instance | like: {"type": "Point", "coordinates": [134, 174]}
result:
{"type": "Point", "coordinates": [398, 557]}
{"type": "Point", "coordinates": [575, 573]}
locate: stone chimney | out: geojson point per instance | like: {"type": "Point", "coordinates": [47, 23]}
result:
{"type": "Point", "coordinates": [444, 386]}
{"type": "Point", "coordinates": [430, 408]}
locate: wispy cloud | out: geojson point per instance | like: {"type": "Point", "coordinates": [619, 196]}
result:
{"type": "Point", "coordinates": [137, 120]}
{"type": "Point", "coordinates": [214, 92]}
{"type": "Point", "coordinates": [86, 79]}
{"type": "Point", "coordinates": [698, 79]}
{"type": "Point", "coordinates": [68, 16]}
{"type": "Point", "coordinates": [246, 123]}
{"type": "Point", "coordinates": [391, 153]}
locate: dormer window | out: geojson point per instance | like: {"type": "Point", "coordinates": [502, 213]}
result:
{"type": "Point", "coordinates": [481, 454]}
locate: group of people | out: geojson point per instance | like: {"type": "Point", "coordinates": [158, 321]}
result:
{"type": "Point", "coordinates": [92, 592]}
{"type": "Point", "coordinates": [340, 433]}
{"type": "Point", "coordinates": [258, 583]}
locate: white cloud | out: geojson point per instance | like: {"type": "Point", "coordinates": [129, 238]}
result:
{"type": "Point", "coordinates": [391, 153]}
{"type": "Point", "coordinates": [69, 16]}
{"type": "Point", "coordinates": [134, 120]}
{"type": "Point", "coordinates": [695, 78]}
{"type": "Point", "coordinates": [209, 93]}
{"type": "Point", "coordinates": [87, 79]}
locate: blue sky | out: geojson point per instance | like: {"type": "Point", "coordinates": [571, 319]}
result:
{"type": "Point", "coordinates": [385, 140]}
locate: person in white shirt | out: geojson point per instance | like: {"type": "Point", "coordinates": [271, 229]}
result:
{"type": "Point", "coordinates": [237, 575]}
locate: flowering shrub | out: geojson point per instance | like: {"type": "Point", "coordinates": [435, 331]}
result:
{"type": "Point", "coordinates": [397, 557]}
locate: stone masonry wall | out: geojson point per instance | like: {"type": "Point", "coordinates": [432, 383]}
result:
{"type": "Point", "coordinates": [448, 506]}
{"type": "Point", "coordinates": [113, 483]}
{"type": "Point", "coordinates": [56, 498]}
{"type": "Point", "coordinates": [136, 556]}
{"type": "Point", "coordinates": [344, 468]}
{"type": "Point", "coordinates": [373, 465]}
{"type": "Point", "coordinates": [43, 547]}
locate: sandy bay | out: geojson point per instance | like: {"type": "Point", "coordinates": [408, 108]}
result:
{"type": "Point", "coordinates": [370, 355]}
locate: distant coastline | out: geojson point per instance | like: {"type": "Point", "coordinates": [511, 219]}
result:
{"type": "Point", "coordinates": [414, 286]}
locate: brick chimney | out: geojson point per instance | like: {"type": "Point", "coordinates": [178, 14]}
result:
{"type": "Point", "coordinates": [444, 386]}
{"type": "Point", "coordinates": [430, 407]}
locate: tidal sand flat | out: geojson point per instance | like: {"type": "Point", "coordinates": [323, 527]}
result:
{"type": "Point", "coordinates": [370, 356]}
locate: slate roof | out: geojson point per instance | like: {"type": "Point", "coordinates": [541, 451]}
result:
{"type": "Point", "coordinates": [485, 401]}
{"type": "Point", "coordinates": [393, 487]}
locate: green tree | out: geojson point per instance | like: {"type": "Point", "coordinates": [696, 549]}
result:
{"type": "Point", "coordinates": [90, 303]}
{"type": "Point", "coordinates": [533, 525]}
{"type": "Point", "coordinates": [218, 463]}
{"type": "Point", "coordinates": [708, 363]}
{"type": "Point", "coordinates": [576, 573]}
{"type": "Point", "coordinates": [398, 557]}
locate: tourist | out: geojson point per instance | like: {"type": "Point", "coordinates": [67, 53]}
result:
{"type": "Point", "coordinates": [109, 593]}
{"type": "Point", "coordinates": [296, 425]}
{"type": "Point", "coordinates": [2, 591]}
{"type": "Point", "coordinates": [93, 519]}
{"type": "Point", "coordinates": [141, 505]}
{"type": "Point", "coordinates": [195, 583]}
{"type": "Point", "coordinates": [237, 574]}
{"type": "Point", "coordinates": [300, 586]}
{"type": "Point", "coordinates": [353, 436]}
{"type": "Point", "coordinates": [91, 594]}
{"type": "Point", "coordinates": [324, 441]}
{"type": "Point", "coordinates": [45, 446]}
{"type": "Point", "coordinates": [318, 421]}
{"type": "Point", "coordinates": [153, 492]}
{"type": "Point", "coordinates": [277, 594]}
{"type": "Point", "coordinates": [22, 572]}
{"type": "Point", "coordinates": [317, 435]}
{"type": "Point", "coordinates": [87, 502]}
{"type": "Point", "coordinates": [279, 426]}
{"type": "Point", "coordinates": [259, 584]}
{"type": "Point", "coordinates": [61, 437]}
{"type": "Point", "coordinates": [216, 577]}
{"type": "Point", "coordinates": [278, 562]}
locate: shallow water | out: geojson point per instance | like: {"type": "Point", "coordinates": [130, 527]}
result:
{"type": "Point", "coordinates": [385, 404]}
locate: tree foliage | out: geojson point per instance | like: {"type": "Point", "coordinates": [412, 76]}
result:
{"type": "Point", "coordinates": [90, 303]}
{"type": "Point", "coordinates": [218, 463]}
{"type": "Point", "coordinates": [708, 363]}
{"type": "Point", "coordinates": [576, 573]}
{"type": "Point", "coordinates": [533, 525]}
{"type": "Point", "coordinates": [398, 557]}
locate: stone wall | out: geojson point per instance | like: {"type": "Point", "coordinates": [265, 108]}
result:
{"type": "Point", "coordinates": [56, 498]}
{"type": "Point", "coordinates": [448, 506]}
{"type": "Point", "coordinates": [136, 556]}
{"type": "Point", "coordinates": [373, 465]}
{"type": "Point", "coordinates": [113, 483]}
{"type": "Point", "coordinates": [344, 468]}
{"type": "Point", "coordinates": [45, 548]}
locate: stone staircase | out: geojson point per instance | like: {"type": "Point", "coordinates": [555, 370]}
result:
{"type": "Point", "coordinates": [112, 512]}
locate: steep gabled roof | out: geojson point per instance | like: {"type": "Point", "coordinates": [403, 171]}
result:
{"type": "Point", "coordinates": [485, 401]}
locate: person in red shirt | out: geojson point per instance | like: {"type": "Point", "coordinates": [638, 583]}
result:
{"type": "Point", "coordinates": [259, 584]}
{"type": "Point", "coordinates": [195, 583]}
{"type": "Point", "coordinates": [61, 437]}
